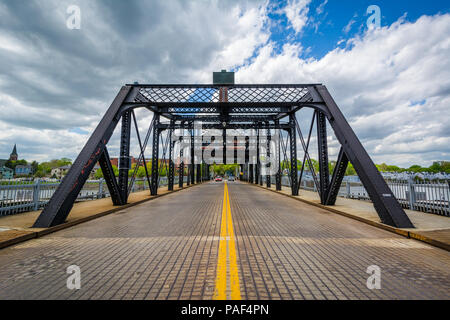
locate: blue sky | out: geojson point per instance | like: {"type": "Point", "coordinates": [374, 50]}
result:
{"type": "Point", "coordinates": [331, 17]}
{"type": "Point", "coordinates": [392, 83]}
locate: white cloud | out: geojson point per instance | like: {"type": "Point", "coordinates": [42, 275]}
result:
{"type": "Point", "coordinates": [374, 80]}
{"type": "Point", "coordinates": [54, 79]}
{"type": "Point", "coordinates": [297, 14]}
{"type": "Point", "coordinates": [349, 25]}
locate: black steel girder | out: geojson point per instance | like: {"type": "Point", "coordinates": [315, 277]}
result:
{"type": "Point", "coordinates": [65, 195]}
{"type": "Point", "coordinates": [324, 172]}
{"type": "Point", "coordinates": [293, 150]}
{"type": "Point", "coordinates": [124, 159]}
{"type": "Point", "coordinates": [155, 156]}
{"type": "Point", "coordinates": [110, 178]}
{"type": "Point", "coordinates": [171, 173]}
{"type": "Point", "coordinates": [383, 199]}
{"type": "Point", "coordinates": [338, 176]}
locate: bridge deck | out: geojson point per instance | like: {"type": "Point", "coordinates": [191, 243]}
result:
{"type": "Point", "coordinates": [192, 245]}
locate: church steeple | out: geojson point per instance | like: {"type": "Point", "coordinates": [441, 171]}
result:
{"type": "Point", "coordinates": [13, 156]}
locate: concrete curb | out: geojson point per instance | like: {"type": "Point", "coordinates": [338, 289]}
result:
{"type": "Point", "coordinates": [18, 239]}
{"type": "Point", "coordinates": [405, 233]}
{"type": "Point", "coordinates": [37, 234]}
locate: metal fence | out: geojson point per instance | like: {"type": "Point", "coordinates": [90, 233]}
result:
{"type": "Point", "coordinates": [23, 196]}
{"type": "Point", "coordinates": [425, 196]}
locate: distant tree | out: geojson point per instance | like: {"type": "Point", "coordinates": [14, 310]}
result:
{"type": "Point", "coordinates": [99, 174]}
{"type": "Point", "coordinates": [350, 170]}
{"type": "Point", "coordinates": [436, 167]}
{"type": "Point", "coordinates": [34, 166]}
{"type": "Point", "coordinates": [39, 174]}
{"type": "Point", "coordinates": [415, 168]}
{"type": "Point", "coordinates": [382, 167]}
{"type": "Point", "coordinates": [13, 164]}
{"type": "Point", "coordinates": [393, 169]}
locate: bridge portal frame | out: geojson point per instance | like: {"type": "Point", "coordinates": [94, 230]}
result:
{"type": "Point", "coordinates": [259, 107]}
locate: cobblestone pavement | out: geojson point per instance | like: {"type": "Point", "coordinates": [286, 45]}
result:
{"type": "Point", "coordinates": [168, 249]}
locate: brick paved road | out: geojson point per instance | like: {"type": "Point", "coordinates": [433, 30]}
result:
{"type": "Point", "coordinates": [168, 248]}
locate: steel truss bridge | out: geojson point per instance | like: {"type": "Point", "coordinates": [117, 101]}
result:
{"type": "Point", "coordinates": [258, 107]}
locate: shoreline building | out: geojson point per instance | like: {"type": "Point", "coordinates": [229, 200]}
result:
{"type": "Point", "coordinates": [14, 156]}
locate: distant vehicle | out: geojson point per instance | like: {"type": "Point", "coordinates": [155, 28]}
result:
{"type": "Point", "coordinates": [218, 179]}
{"type": "Point", "coordinates": [231, 178]}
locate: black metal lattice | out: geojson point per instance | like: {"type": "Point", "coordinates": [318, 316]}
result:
{"type": "Point", "coordinates": [210, 94]}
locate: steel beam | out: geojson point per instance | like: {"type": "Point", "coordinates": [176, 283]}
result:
{"type": "Point", "coordinates": [199, 173]}
{"type": "Point", "coordinates": [258, 163]}
{"type": "Point", "coordinates": [65, 195]}
{"type": "Point", "coordinates": [322, 145]}
{"type": "Point", "coordinates": [181, 166]}
{"type": "Point", "coordinates": [192, 157]}
{"type": "Point", "coordinates": [155, 156]}
{"type": "Point", "coordinates": [383, 199]}
{"type": "Point", "coordinates": [141, 155]}
{"type": "Point", "coordinates": [306, 157]}
{"type": "Point", "coordinates": [110, 178]}
{"type": "Point", "coordinates": [278, 159]}
{"type": "Point", "coordinates": [231, 126]}
{"type": "Point", "coordinates": [171, 173]}
{"type": "Point", "coordinates": [293, 150]}
{"type": "Point", "coordinates": [268, 177]}
{"type": "Point", "coordinates": [338, 176]}
{"type": "Point", "coordinates": [124, 158]}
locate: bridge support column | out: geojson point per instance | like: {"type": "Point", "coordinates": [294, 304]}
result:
{"type": "Point", "coordinates": [278, 158]}
{"type": "Point", "coordinates": [293, 150]}
{"type": "Point", "coordinates": [110, 179]}
{"type": "Point", "coordinates": [224, 149]}
{"type": "Point", "coordinates": [338, 176]}
{"type": "Point", "coordinates": [171, 173]}
{"type": "Point", "coordinates": [251, 171]}
{"type": "Point", "coordinates": [258, 163]}
{"type": "Point", "coordinates": [199, 173]}
{"type": "Point", "coordinates": [192, 157]}
{"type": "Point", "coordinates": [268, 168]}
{"type": "Point", "coordinates": [155, 156]}
{"type": "Point", "coordinates": [181, 166]}
{"type": "Point", "coordinates": [324, 172]}
{"type": "Point", "coordinates": [124, 160]}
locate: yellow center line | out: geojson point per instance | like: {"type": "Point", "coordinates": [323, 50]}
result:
{"type": "Point", "coordinates": [227, 249]}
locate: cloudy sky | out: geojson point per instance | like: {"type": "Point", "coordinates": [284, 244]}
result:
{"type": "Point", "coordinates": [391, 82]}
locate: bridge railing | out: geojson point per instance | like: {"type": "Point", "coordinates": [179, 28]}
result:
{"type": "Point", "coordinates": [425, 196]}
{"type": "Point", "coordinates": [23, 196]}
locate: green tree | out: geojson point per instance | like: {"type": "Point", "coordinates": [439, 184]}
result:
{"type": "Point", "coordinates": [39, 174]}
{"type": "Point", "coordinates": [34, 166]}
{"type": "Point", "coordinates": [382, 167]}
{"type": "Point", "coordinates": [13, 164]}
{"type": "Point", "coordinates": [350, 170]}
{"type": "Point", "coordinates": [99, 173]}
{"type": "Point", "coordinates": [415, 168]}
